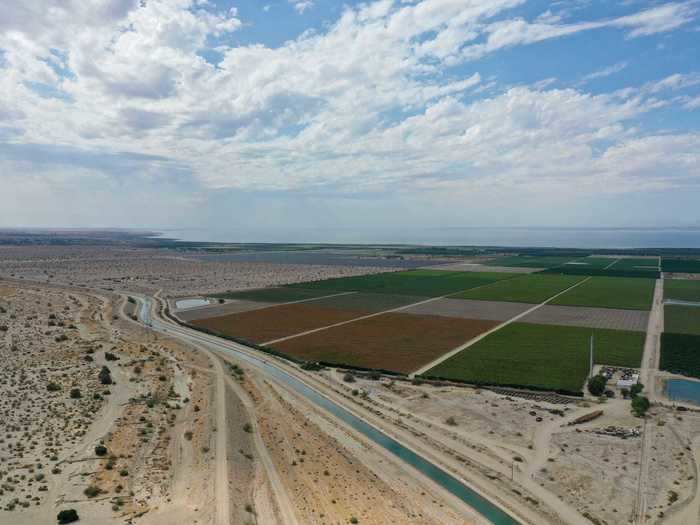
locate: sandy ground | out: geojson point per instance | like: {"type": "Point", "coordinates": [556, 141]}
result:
{"type": "Point", "coordinates": [192, 439]}
{"type": "Point", "coordinates": [149, 270]}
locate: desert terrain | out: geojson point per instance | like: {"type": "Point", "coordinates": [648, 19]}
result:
{"type": "Point", "coordinates": [126, 421]}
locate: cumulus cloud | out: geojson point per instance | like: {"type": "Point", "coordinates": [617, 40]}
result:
{"type": "Point", "coordinates": [368, 103]}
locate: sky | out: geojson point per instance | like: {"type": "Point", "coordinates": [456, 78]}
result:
{"type": "Point", "coordinates": [272, 116]}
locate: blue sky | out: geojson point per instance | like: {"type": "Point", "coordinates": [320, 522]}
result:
{"type": "Point", "coordinates": [364, 116]}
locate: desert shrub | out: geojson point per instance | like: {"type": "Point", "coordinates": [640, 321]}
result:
{"type": "Point", "coordinates": [53, 387]}
{"type": "Point", "coordinates": [247, 428]}
{"type": "Point", "coordinates": [596, 385]}
{"type": "Point", "coordinates": [451, 421]}
{"type": "Point", "coordinates": [105, 376]}
{"type": "Point", "coordinates": [109, 356]}
{"type": "Point", "coordinates": [92, 491]}
{"type": "Point", "coordinates": [75, 393]}
{"type": "Point", "coordinates": [100, 450]}
{"type": "Point", "coordinates": [349, 378]}
{"type": "Point", "coordinates": [67, 516]}
{"type": "Point", "coordinates": [188, 435]}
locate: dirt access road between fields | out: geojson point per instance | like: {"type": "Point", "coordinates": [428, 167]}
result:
{"type": "Point", "coordinates": [478, 338]}
{"type": "Point", "coordinates": [647, 376]}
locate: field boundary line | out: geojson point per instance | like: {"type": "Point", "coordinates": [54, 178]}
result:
{"type": "Point", "coordinates": [479, 337]}
{"type": "Point", "coordinates": [376, 314]}
{"type": "Point", "coordinates": [612, 264]}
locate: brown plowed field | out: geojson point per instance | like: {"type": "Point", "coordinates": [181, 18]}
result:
{"type": "Point", "coordinates": [615, 319]}
{"type": "Point", "coordinates": [277, 321]}
{"type": "Point", "coordinates": [394, 341]}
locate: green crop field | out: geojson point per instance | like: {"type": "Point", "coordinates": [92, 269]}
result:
{"type": "Point", "coordinates": [682, 290]}
{"type": "Point", "coordinates": [533, 288]}
{"type": "Point", "coordinates": [539, 356]}
{"type": "Point", "coordinates": [611, 292]}
{"type": "Point", "coordinates": [651, 265]}
{"type": "Point", "coordinates": [425, 283]}
{"type": "Point", "coordinates": [680, 265]}
{"type": "Point", "coordinates": [274, 295]}
{"type": "Point", "coordinates": [527, 261]}
{"type": "Point", "coordinates": [592, 262]}
{"type": "Point", "coordinates": [682, 319]}
{"type": "Point", "coordinates": [680, 354]}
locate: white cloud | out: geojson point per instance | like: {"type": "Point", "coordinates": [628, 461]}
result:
{"type": "Point", "coordinates": [367, 103]}
{"type": "Point", "coordinates": [512, 32]}
{"type": "Point", "coordinates": [301, 5]}
{"type": "Point", "coordinates": [605, 72]}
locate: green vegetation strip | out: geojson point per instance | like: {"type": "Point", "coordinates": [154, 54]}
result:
{"type": "Point", "coordinates": [637, 264]}
{"type": "Point", "coordinates": [611, 292]}
{"type": "Point", "coordinates": [682, 290]}
{"type": "Point", "coordinates": [274, 295]}
{"type": "Point", "coordinates": [680, 354]}
{"type": "Point", "coordinates": [680, 265]}
{"type": "Point", "coordinates": [424, 283]}
{"type": "Point", "coordinates": [535, 288]}
{"type": "Point", "coordinates": [526, 261]}
{"type": "Point", "coordinates": [682, 319]}
{"type": "Point", "coordinates": [540, 357]}
{"type": "Point", "coordinates": [602, 272]}
{"type": "Point", "coordinates": [593, 262]}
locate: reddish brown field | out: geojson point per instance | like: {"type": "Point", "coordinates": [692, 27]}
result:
{"type": "Point", "coordinates": [276, 322]}
{"type": "Point", "coordinates": [394, 341]}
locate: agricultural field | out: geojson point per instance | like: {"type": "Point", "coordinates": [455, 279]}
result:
{"type": "Point", "coordinates": [395, 341]}
{"type": "Point", "coordinates": [638, 264]}
{"type": "Point", "coordinates": [682, 290]}
{"type": "Point", "coordinates": [281, 294]}
{"type": "Point", "coordinates": [426, 283]}
{"type": "Point", "coordinates": [540, 356]}
{"type": "Point", "coordinates": [610, 318]}
{"type": "Point", "coordinates": [593, 262]}
{"type": "Point", "coordinates": [468, 309]}
{"type": "Point", "coordinates": [368, 302]}
{"type": "Point", "coordinates": [533, 288]}
{"type": "Point", "coordinates": [680, 354]}
{"type": "Point", "coordinates": [611, 292]}
{"type": "Point", "coordinates": [260, 326]}
{"type": "Point", "coordinates": [528, 261]}
{"type": "Point", "coordinates": [682, 319]}
{"type": "Point", "coordinates": [680, 265]}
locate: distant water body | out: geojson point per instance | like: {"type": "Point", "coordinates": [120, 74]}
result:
{"type": "Point", "coordinates": [588, 238]}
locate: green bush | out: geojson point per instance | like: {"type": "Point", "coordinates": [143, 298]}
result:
{"type": "Point", "coordinates": [640, 405]}
{"type": "Point", "coordinates": [596, 385]}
